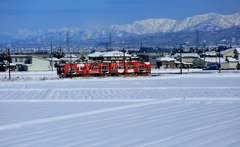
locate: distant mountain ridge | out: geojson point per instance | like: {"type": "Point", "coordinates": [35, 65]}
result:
{"type": "Point", "coordinates": [205, 22]}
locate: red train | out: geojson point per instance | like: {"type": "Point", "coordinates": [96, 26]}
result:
{"type": "Point", "coordinates": [105, 68]}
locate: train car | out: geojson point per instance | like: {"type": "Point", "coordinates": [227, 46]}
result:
{"type": "Point", "coordinates": [98, 68]}
{"type": "Point", "coordinates": [130, 67]}
{"type": "Point", "coordinates": [65, 70]}
{"type": "Point", "coordinates": [103, 68]}
{"type": "Point", "coordinates": [82, 69]}
{"type": "Point", "coordinates": [145, 67]}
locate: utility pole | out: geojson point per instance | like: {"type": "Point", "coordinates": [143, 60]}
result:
{"type": "Point", "coordinates": [141, 51]}
{"type": "Point", "coordinates": [110, 41]}
{"type": "Point", "coordinates": [219, 60]}
{"type": "Point", "coordinates": [180, 59]}
{"type": "Point", "coordinates": [51, 57]}
{"type": "Point", "coordinates": [106, 47]}
{"type": "Point", "coordinates": [204, 55]}
{"type": "Point", "coordinates": [124, 59]}
{"type": "Point", "coordinates": [9, 68]}
{"type": "Point", "coordinates": [70, 56]}
{"type": "Point", "coordinates": [197, 41]}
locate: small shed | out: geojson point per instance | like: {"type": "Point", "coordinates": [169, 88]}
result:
{"type": "Point", "coordinates": [231, 63]}
{"type": "Point", "coordinates": [166, 62]}
{"type": "Point", "coordinates": [203, 62]}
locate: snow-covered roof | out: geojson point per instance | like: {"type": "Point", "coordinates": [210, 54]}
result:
{"type": "Point", "coordinates": [210, 53]}
{"type": "Point", "coordinates": [68, 55]}
{"type": "Point", "coordinates": [26, 64]}
{"type": "Point", "coordinates": [187, 55]}
{"type": "Point", "coordinates": [214, 59]}
{"type": "Point", "coordinates": [68, 59]}
{"type": "Point", "coordinates": [238, 50]}
{"type": "Point", "coordinates": [226, 51]}
{"type": "Point", "coordinates": [95, 54]}
{"type": "Point", "coordinates": [54, 59]}
{"type": "Point", "coordinates": [18, 55]}
{"type": "Point", "coordinates": [230, 59]}
{"type": "Point", "coordinates": [109, 54]}
{"type": "Point", "coordinates": [187, 63]}
{"type": "Point", "coordinates": [134, 57]}
{"type": "Point", "coordinates": [176, 61]}
{"type": "Point", "coordinates": [40, 58]}
{"type": "Point", "coordinates": [166, 58]}
{"type": "Point", "coordinates": [114, 54]}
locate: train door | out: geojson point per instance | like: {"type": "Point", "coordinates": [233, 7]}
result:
{"type": "Point", "coordinates": [105, 68]}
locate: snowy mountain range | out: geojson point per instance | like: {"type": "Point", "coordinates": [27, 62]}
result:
{"type": "Point", "coordinates": [206, 22]}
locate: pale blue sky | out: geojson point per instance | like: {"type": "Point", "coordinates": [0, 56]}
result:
{"type": "Point", "coordinates": [21, 18]}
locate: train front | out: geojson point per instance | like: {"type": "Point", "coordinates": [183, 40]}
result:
{"type": "Point", "coordinates": [61, 70]}
{"type": "Point", "coordinates": [66, 70]}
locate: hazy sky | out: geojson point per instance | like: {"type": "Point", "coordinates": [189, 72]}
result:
{"type": "Point", "coordinates": [21, 18]}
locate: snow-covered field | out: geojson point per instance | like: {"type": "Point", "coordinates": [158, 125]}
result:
{"type": "Point", "coordinates": [186, 110]}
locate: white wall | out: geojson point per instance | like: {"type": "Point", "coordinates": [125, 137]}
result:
{"type": "Point", "coordinates": [39, 65]}
{"type": "Point", "coordinates": [229, 65]}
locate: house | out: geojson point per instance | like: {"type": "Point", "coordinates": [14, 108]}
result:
{"type": "Point", "coordinates": [112, 56]}
{"type": "Point", "coordinates": [227, 53]}
{"type": "Point", "coordinates": [187, 59]}
{"type": "Point", "coordinates": [28, 63]}
{"type": "Point", "coordinates": [17, 62]}
{"type": "Point", "coordinates": [166, 62]}
{"type": "Point", "coordinates": [237, 56]}
{"type": "Point", "coordinates": [3, 66]}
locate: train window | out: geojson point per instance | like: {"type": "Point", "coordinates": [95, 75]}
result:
{"type": "Point", "coordinates": [60, 68]}
{"type": "Point", "coordinates": [81, 68]}
{"type": "Point", "coordinates": [104, 67]}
